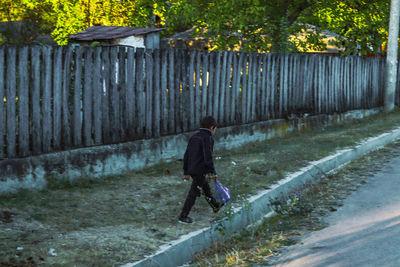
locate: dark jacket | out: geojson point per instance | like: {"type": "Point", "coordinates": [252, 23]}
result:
{"type": "Point", "coordinates": [198, 156]}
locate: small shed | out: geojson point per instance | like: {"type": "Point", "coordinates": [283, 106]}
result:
{"type": "Point", "coordinates": [119, 35]}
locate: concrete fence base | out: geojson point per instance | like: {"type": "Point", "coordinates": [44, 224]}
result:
{"type": "Point", "coordinates": [34, 172]}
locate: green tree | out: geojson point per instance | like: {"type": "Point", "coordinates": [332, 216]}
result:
{"type": "Point", "coordinates": [37, 14]}
{"type": "Point", "coordinates": [62, 18]}
{"type": "Point", "coordinates": [282, 25]}
{"type": "Point", "coordinates": [251, 24]}
{"type": "Point", "coordinates": [361, 25]}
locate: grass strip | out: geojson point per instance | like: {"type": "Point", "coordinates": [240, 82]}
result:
{"type": "Point", "coordinates": [110, 221]}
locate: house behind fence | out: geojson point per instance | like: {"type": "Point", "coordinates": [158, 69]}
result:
{"type": "Point", "coordinates": [129, 36]}
{"type": "Point", "coordinates": [58, 98]}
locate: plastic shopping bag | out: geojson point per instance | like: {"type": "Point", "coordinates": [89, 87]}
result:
{"type": "Point", "coordinates": [222, 193]}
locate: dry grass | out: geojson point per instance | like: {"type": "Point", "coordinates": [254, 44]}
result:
{"type": "Point", "coordinates": [122, 218]}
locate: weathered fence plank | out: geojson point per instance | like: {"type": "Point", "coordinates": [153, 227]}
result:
{"type": "Point", "coordinates": [296, 73]}
{"type": "Point", "coordinates": [149, 93]}
{"type": "Point", "coordinates": [228, 91]}
{"type": "Point", "coordinates": [223, 88]}
{"type": "Point", "coordinates": [171, 91]}
{"type": "Point", "coordinates": [329, 87]}
{"type": "Point", "coordinates": [185, 94]}
{"type": "Point", "coordinates": [320, 85]}
{"type": "Point", "coordinates": [243, 102]}
{"type": "Point", "coordinates": [364, 79]}
{"type": "Point", "coordinates": [338, 88]}
{"type": "Point", "coordinates": [346, 83]}
{"type": "Point", "coordinates": [190, 109]}
{"type": "Point", "coordinates": [46, 100]}
{"type": "Point", "coordinates": [349, 75]}
{"type": "Point", "coordinates": [140, 93]}
{"type": "Point", "coordinates": [325, 85]}
{"type": "Point", "coordinates": [274, 87]}
{"type": "Point", "coordinates": [197, 106]}
{"type": "Point", "coordinates": [115, 122]}
{"type": "Point", "coordinates": [178, 90]}
{"type": "Point", "coordinates": [299, 87]}
{"type": "Point", "coordinates": [307, 96]}
{"type": "Point", "coordinates": [157, 92]}
{"type": "Point", "coordinates": [211, 82]}
{"type": "Point", "coordinates": [65, 109]}
{"type": "Point", "coordinates": [57, 97]}
{"type": "Point", "coordinates": [315, 84]}
{"type": "Point", "coordinates": [87, 98]}
{"type": "Point", "coordinates": [354, 82]}
{"type": "Point", "coordinates": [263, 87]}
{"type": "Point", "coordinates": [293, 86]}
{"type": "Point", "coordinates": [376, 71]}
{"type": "Point", "coordinates": [217, 85]}
{"type": "Point", "coordinates": [11, 98]}
{"type": "Point", "coordinates": [235, 87]}
{"type": "Point", "coordinates": [2, 122]}
{"type": "Point", "coordinates": [369, 81]}
{"type": "Point", "coordinates": [250, 87]}
{"type": "Point", "coordinates": [164, 92]}
{"type": "Point", "coordinates": [97, 97]}
{"type": "Point", "coordinates": [281, 85]}
{"type": "Point", "coordinates": [268, 86]}
{"type": "Point", "coordinates": [105, 96]}
{"type": "Point", "coordinates": [35, 100]}
{"type": "Point", "coordinates": [257, 88]}
{"type": "Point", "coordinates": [131, 94]}
{"type": "Point", "coordinates": [332, 79]}
{"type": "Point", "coordinates": [204, 88]}
{"type": "Point", "coordinates": [77, 105]}
{"type": "Point", "coordinates": [290, 74]}
{"type": "Point", "coordinates": [23, 103]}
{"type": "Point", "coordinates": [121, 85]}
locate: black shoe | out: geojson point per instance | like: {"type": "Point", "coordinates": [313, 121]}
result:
{"type": "Point", "coordinates": [185, 220]}
{"type": "Point", "coordinates": [217, 208]}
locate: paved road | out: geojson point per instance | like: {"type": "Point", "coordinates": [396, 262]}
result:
{"type": "Point", "coordinates": [365, 231]}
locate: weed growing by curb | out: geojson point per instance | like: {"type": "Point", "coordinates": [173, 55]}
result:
{"type": "Point", "coordinates": [296, 203]}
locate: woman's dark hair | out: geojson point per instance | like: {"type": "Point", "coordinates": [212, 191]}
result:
{"type": "Point", "coordinates": [208, 122]}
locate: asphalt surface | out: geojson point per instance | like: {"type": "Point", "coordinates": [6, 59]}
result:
{"type": "Point", "coordinates": [365, 231]}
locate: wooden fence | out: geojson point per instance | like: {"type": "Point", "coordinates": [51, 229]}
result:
{"type": "Point", "coordinates": [57, 98]}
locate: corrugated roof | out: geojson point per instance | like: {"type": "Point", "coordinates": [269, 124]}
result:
{"type": "Point", "coordinates": [110, 32]}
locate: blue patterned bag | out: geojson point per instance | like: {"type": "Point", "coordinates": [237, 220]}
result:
{"type": "Point", "coordinates": [222, 193]}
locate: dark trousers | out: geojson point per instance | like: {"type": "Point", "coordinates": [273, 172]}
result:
{"type": "Point", "coordinates": [199, 181]}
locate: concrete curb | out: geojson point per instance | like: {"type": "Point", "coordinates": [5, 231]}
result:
{"type": "Point", "coordinates": [183, 250]}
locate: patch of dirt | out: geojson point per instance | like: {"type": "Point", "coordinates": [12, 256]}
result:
{"type": "Point", "coordinates": [120, 219]}
{"type": "Point", "coordinates": [6, 216]}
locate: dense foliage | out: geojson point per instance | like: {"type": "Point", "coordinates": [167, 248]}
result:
{"type": "Point", "coordinates": [252, 25]}
{"type": "Point", "coordinates": [362, 26]}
